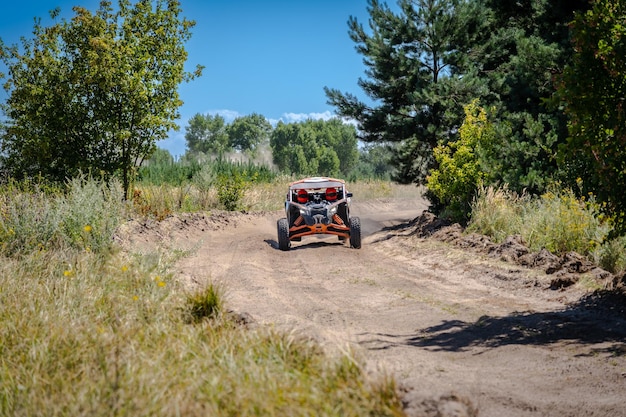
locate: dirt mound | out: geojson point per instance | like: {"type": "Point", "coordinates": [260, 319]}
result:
{"type": "Point", "coordinates": [180, 230]}
{"type": "Point", "coordinates": [567, 269]}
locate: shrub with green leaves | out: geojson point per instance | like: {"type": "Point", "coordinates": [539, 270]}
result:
{"type": "Point", "coordinates": [560, 222]}
{"type": "Point", "coordinates": [231, 189]}
{"type": "Point", "coordinates": [90, 212]}
{"type": "Point", "coordinates": [459, 174]}
{"type": "Point", "coordinates": [611, 255]}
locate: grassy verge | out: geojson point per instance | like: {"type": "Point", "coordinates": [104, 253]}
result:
{"type": "Point", "coordinates": [556, 220]}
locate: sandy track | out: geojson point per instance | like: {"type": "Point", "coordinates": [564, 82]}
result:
{"type": "Point", "coordinates": [450, 325]}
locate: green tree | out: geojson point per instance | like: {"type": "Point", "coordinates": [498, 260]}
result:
{"type": "Point", "coordinates": [207, 134]}
{"type": "Point", "coordinates": [524, 44]}
{"type": "Point", "coordinates": [315, 147]}
{"type": "Point", "coordinates": [341, 138]}
{"type": "Point", "coordinates": [374, 162]}
{"type": "Point", "coordinates": [247, 132]}
{"type": "Point", "coordinates": [96, 92]}
{"type": "Point", "coordinates": [592, 91]}
{"type": "Point", "coordinates": [426, 62]}
{"type": "Point", "coordinates": [415, 78]}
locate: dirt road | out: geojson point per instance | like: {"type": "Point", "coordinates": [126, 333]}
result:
{"type": "Point", "coordinates": [458, 330]}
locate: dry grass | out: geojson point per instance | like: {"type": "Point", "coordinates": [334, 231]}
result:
{"type": "Point", "coordinates": [107, 335]}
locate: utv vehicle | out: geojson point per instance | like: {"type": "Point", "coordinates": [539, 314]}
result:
{"type": "Point", "coordinates": [318, 205]}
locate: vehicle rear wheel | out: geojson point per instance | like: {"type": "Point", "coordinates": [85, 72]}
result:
{"type": "Point", "coordinates": [283, 234]}
{"type": "Point", "coordinates": [355, 232]}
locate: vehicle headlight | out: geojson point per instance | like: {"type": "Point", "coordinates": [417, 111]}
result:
{"type": "Point", "coordinates": [332, 210]}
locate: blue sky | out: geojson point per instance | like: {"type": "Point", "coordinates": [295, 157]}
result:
{"type": "Point", "coordinates": [272, 57]}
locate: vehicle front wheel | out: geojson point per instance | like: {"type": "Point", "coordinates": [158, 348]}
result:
{"type": "Point", "coordinates": [283, 234]}
{"type": "Point", "coordinates": [355, 232]}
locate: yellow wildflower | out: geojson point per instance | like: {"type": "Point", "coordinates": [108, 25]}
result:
{"type": "Point", "coordinates": [87, 228]}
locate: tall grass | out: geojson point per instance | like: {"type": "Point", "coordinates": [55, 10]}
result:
{"type": "Point", "coordinates": [83, 216]}
{"type": "Point", "coordinates": [199, 183]}
{"type": "Point", "coordinates": [189, 185]}
{"type": "Point", "coordinates": [498, 213]}
{"type": "Point", "coordinates": [556, 220]}
{"type": "Point", "coordinates": [186, 170]}
{"type": "Point", "coordinates": [168, 171]}
{"type": "Point", "coordinates": [86, 329]}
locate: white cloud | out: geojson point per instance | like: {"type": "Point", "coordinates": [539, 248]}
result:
{"type": "Point", "coordinates": [228, 115]}
{"type": "Point", "coordinates": [301, 117]}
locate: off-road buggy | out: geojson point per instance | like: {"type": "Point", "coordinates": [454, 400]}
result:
{"type": "Point", "coordinates": [318, 205]}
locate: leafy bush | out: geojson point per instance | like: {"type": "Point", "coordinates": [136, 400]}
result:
{"type": "Point", "coordinates": [561, 222]}
{"type": "Point", "coordinates": [612, 255]}
{"type": "Point", "coordinates": [231, 189]}
{"type": "Point", "coordinates": [90, 212]}
{"type": "Point", "coordinates": [456, 180]}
